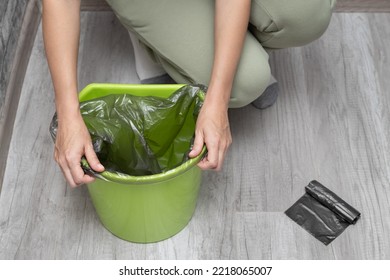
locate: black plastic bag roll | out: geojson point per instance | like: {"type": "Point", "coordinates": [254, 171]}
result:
{"type": "Point", "coordinates": [332, 201]}
{"type": "Point", "coordinates": [322, 213]}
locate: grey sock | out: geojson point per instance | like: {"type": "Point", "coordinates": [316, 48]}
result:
{"type": "Point", "coordinates": [268, 98]}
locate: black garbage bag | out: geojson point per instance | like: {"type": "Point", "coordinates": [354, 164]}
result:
{"type": "Point", "coordinates": [141, 135]}
{"type": "Point", "coordinates": [322, 213]}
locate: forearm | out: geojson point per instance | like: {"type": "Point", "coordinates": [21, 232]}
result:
{"type": "Point", "coordinates": [61, 30]}
{"type": "Point", "coordinates": [231, 23]}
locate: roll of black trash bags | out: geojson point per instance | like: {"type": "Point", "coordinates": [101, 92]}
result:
{"type": "Point", "coordinates": [322, 213]}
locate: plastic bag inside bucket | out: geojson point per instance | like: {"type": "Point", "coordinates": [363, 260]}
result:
{"type": "Point", "coordinates": [322, 213]}
{"type": "Point", "coordinates": [141, 135]}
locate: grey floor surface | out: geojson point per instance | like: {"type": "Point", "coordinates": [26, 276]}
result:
{"type": "Point", "coordinates": [331, 123]}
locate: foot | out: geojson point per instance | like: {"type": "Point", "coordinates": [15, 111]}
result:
{"type": "Point", "coordinates": [268, 98]}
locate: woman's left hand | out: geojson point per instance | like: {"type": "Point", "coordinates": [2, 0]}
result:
{"type": "Point", "coordinates": [212, 126]}
{"type": "Point", "coordinates": [212, 129]}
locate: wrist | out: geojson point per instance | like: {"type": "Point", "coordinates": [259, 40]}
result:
{"type": "Point", "coordinates": [214, 104]}
{"type": "Point", "coordinates": [68, 112]}
{"type": "Point", "coordinates": [67, 104]}
{"type": "Point", "coordinates": [218, 96]}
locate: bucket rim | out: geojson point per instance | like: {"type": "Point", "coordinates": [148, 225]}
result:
{"type": "Point", "coordinates": [148, 179]}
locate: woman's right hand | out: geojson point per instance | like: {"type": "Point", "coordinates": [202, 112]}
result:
{"type": "Point", "coordinates": [72, 142]}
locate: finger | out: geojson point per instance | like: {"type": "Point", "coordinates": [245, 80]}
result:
{"type": "Point", "coordinates": [64, 168]}
{"type": "Point", "coordinates": [221, 157]}
{"type": "Point", "coordinates": [212, 158]}
{"type": "Point", "coordinates": [77, 173]}
{"type": "Point", "coordinates": [203, 164]}
{"type": "Point", "coordinates": [198, 145]}
{"type": "Point", "coordinates": [88, 179]}
{"type": "Point", "coordinates": [92, 159]}
{"type": "Point", "coordinates": [222, 152]}
{"type": "Point", "coordinates": [68, 176]}
{"type": "Point", "coordinates": [55, 155]}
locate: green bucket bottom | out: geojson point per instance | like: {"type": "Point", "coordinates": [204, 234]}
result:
{"type": "Point", "coordinates": [150, 212]}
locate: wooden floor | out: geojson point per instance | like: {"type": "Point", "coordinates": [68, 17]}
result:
{"type": "Point", "coordinates": [330, 123]}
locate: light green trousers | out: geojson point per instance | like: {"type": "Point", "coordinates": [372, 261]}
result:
{"type": "Point", "coordinates": [180, 33]}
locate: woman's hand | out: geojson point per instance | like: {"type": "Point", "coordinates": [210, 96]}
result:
{"type": "Point", "coordinates": [72, 142]}
{"type": "Point", "coordinates": [61, 32]}
{"type": "Point", "coordinates": [212, 129]}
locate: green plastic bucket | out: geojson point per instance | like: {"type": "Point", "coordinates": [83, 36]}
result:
{"type": "Point", "coordinates": [149, 208]}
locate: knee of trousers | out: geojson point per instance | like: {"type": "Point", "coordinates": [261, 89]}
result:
{"type": "Point", "coordinates": [249, 84]}
{"type": "Point", "coordinates": [310, 25]}
{"type": "Point", "coordinates": [298, 26]}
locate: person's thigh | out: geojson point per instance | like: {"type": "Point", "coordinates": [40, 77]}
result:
{"type": "Point", "coordinates": [181, 32]}
{"type": "Point", "coordinates": [289, 23]}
